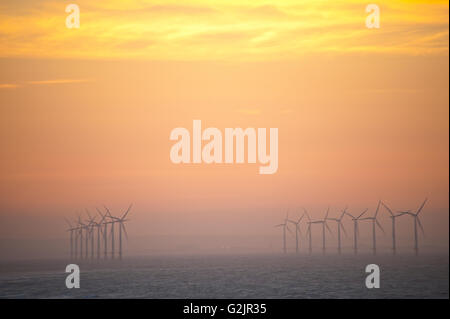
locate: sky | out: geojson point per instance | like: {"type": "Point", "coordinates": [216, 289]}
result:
{"type": "Point", "coordinates": [86, 116]}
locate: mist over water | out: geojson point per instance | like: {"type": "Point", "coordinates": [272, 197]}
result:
{"type": "Point", "coordinates": [238, 276]}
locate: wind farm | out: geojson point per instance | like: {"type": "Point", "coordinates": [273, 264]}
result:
{"type": "Point", "coordinates": [96, 235]}
{"type": "Point", "coordinates": [355, 219]}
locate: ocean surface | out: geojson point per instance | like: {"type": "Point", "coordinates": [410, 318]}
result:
{"type": "Point", "coordinates": [256, 276]}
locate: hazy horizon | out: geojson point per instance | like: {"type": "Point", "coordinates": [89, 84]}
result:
{"type": "Point", "coordinates": [86, 116]}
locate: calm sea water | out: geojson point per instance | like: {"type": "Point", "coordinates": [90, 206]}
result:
{"type": "Point", "coordinates": [274, 276]}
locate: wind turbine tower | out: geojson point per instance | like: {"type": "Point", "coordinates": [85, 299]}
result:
{"type": "Point", "coordinates": [285, 226]}
{"type": "Point", "coordinates": [121, 221]}
{"type": "Point", "coordinates": [339, 226]}
{"type": "Point", "coordinates": [297, 231]}
{"type": "Point", "coordinates": [91, 226]}
{"type": "Point", "coordinates": [417, 222]}
{"type": "Point", "coordinates": [393, 217]}
{"type": "Point", "coordinates": [112, 222]}
{"type": "Point", "coordinates": [355, 229]}
{"type": "Point", "coordinates": [99, 230]}
{"type": "Point", "coordinates": [71, 230]}
{"type": "Point", "coordinates": [375, 223]}
{"type": "Point", "coordinates": [324, 224]}
{"type": "Point", "coordinates": [80, 228]}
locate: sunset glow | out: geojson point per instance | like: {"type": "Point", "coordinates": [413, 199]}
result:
{"type": "Point", "coordinates": [86, 114]}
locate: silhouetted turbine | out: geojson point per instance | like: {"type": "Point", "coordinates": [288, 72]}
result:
{"type": "Point", "coordinates": [285, 226]}
{"type": "Point", "coordinates": [297, 231]}
{"type": "Point", "coordinates": [355, 229]}
{"type": "Point", "coordinates": [339, 226]}
{"type": "Point", "coordinates": [374, 224]}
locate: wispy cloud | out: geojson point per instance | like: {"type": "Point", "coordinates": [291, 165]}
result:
{"type": "Point", "coordinates": [59, 81]}
{"type": "Point", "coordinates": [232, 30]}
{"type": "Point", "coordinates": [9, 86]}
{"type": "Point", "coordinates": [42, 82]}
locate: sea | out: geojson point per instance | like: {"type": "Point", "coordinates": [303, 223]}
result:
{"type": "Point", "coordinates": [230, 276]}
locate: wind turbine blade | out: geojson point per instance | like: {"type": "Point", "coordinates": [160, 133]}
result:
{"type": "Point", "coordinates": [379, 225]}
{"type": "Point", "coordinates": [279, 225]}
{"type": "Point", "coordinates": [328, 210]}
{"type": "Point", "coordinates": [420, 225]}
{"type": "Point", "coordinates": [89, 215]}
{"type": "Point", "coordinates": [350, 215]}
{"type": "Point", "coordinates": [329, 229]}
{"type": "Point", "coordinates": [107, 211]}
{"type": "Point", "coordinates": [79, 220]}
{"type": "Point", "coordinates": [126, 213]}
{"type": "Point", "coordinates": [345, 232]}
{"type": "Point", "coordinates": [363, 213]}
{"type": "Point", "coordinates": [289, 230]}
{"type": "Point", "coordinates": [300, 219]}
{"type": "Point", "coordinates": [124, 230]}
{"type": "Point", "coordinates": [67, 221]}
{"type": "Point", "coordinates": [306, 213]}
{"type": "Point", "coordinates": [389, 210]}
{"type": "Point", "coordinates": [101, 215]}
{"type": "Point", "coordinates": [423, 204]}
{"type": "Point", "coordinates": [378, 207]}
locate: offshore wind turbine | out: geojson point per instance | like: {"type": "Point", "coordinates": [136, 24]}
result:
{"type": "Point", "coordinates": [324, 224]}
{"type": "Point", "coordinates": [393, 217]}
{"type": "Point", "coordinates": [355, 229]}
{"type": "Point", "coordinates": [375, 223]}
{"type": "Point", "coordinates": [297, 231]}
{"type": "Point", "coordinates": [285, 226]}
{"type": "Point", "coordinates": [81, 226]}
{"type": "Point", "coordinates": [99, 230]}
{"type": "Point", "coordinates": [87, 235]}
{"type": "Point", "coordinates": [91, 226]}
{"type": "Point", "coordinates": [76, 231]}
{"type": "Point", "coordinates": [105, 233]}
{"type": "Point", "coordinates": [121, 221]}
{"type": "Point", "coordinates": [339, 226]}
{"type": "Point", "coordinates": [112, 222]}
{"type": "Point", "coordinates": [71, 230]}
{"type": "Point", "coordinates": [309, 232]}
{"type": "Point", "coordinates": [417, 222]}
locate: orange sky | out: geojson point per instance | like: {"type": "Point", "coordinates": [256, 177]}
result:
{"type": "Point", "coordinates": [86, 113]}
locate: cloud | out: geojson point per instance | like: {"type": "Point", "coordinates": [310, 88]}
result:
{"type": "Point", "coordinates": [59, 81]}
{"type": "Point", "coordinates": [9, 86]}
{"type": "Point", "coordinates": [232, 30]}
